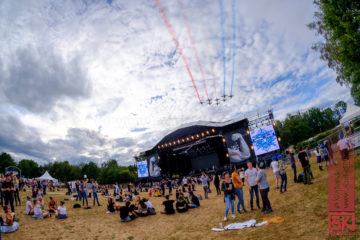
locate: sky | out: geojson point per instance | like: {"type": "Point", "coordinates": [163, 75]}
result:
{"type": "Point", "coordinates": [93, 80]}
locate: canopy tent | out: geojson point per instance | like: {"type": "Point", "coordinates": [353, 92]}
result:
{"type": "Point", "coordinates": [47, 176]}
{"type": "Point", "coordinates": [352, 112]}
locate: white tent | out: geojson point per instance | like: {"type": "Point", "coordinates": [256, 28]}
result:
{"type": "Point", "coordinates": [47, 176]}
{"type": "Point", "coordinates": [352, 112]}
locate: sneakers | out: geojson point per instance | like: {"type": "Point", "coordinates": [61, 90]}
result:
{"type": "Point", "coordinates": [238, 211]}
{"type": "Point", "coordinates": [286, 192]}
{"type": "Point", "coordinates": [268, 211]}
{"type": "Point", "coordinates": [244, 210]}
{"type": "Point", "coordinates": [233, 216]}
{"type": "Point", "coordinates": [225, 219]}
{"type": "Point", "coordinates": [281, 192]}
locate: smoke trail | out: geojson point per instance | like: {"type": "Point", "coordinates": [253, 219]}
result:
{"type": "Point", "coordinates": [177, 44]}
{"type": "Point", "coordinates": [234, 41]}
{"type": "Point", "coordinates": [223, 41]}
{"type": "Point", "coordinates": [193, 46]}
{"type": "Point", "coordinates": [207, 51]}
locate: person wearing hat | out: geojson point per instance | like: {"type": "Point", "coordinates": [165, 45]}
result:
{"type": "Point", "coordinates": [8, 191]}
{"type": "Point", "coordinates": [318, 157]}
{"type": "Point", "coordinates": [344, 146]}
{"type": "Point", "coordinates": [261, 179]}
{"type": "Point", "coordinates": [275, 166]}
{"type": "Point", "coordinates": [283, 175]}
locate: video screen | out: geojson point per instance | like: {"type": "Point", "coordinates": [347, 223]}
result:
{"type": "Point", "coordinates": [142, 168]}
{"type": "Point", "coordinates": [264, 140]}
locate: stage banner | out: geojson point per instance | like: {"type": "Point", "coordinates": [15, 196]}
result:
{"type": "Point", "coordinates": [142, 168]}
{"type": "Point", "coordinates": [154, 168]}
{"type": "Point", "coordinates": [238, 146]}
{"type": "Point", "coordinates": [264, 140]}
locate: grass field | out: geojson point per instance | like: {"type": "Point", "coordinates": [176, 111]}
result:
{"type": "Point", "coordinates": [304, 209]}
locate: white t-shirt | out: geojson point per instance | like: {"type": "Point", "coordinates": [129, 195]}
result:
{"type": "Point", "coordinates": [148, 204]}
{"type": "Point", "coordinates": [28, 207]}
{"type": "Point", "coordinates": [317, 153]}
{"type": "Point", "coordinates": [251, 175]}
{"type": "Point", "coordinates": [61, 210]}
{"type": "Point", "coordinates": [343, 144]}
{"type": "Point", "coordinates": [274, 165]}
{"type": "Point", "coordinates": [37, 210]}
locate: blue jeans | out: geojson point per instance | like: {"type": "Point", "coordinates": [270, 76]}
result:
{"type": "Point", "coordinates": [283, 182]}
{"type": "Point", "coordinates": [95, 196]}
{"type": "Point", "coordinates": [254, 189]}
{"type": "Point", "coordinates": [239, 194]}
{"type": "Point", "coordinates": [84, 197]}
{"type": "Point", "coordinates": [44, 190]}
{"type": "Point", "coordinates": [293, 166]}
{"type": "Point", "coordinates": [78, 196]}
{"type": "Point", "coordinates": [229, 201]}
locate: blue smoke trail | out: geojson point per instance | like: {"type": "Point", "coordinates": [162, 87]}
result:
{"type": "Point", "coordinates": [234, 41]}
{"type": "Point", "coordinates": [223, 40]}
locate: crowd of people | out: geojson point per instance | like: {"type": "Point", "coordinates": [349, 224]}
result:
{"type": "Point", "coordinates": [179, 194]}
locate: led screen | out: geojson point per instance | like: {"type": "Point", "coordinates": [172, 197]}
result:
{"type": "Point", "coordinates": [142, 168]}
{"type": "Point", "coordinates": [264, 140]}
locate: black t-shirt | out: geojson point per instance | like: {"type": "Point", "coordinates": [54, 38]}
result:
{"type": "Point", "coordinates": [181, 204]}
{"type": "Point", "coordinates": [169, 208]}
{"type": "Point", "coordinates": [302, 157]}
{"type": "Point", "coordinates": [195, 201]}
{"type": "Point", "coordinates": [124, 212]}
{"type": "Point", "coordinates": [10, 185]}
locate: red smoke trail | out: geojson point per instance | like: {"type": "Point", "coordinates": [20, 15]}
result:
{"type": "Point", "coordinates": [193, 46]}
{"type": "Point", "coordinates": [178, 47]}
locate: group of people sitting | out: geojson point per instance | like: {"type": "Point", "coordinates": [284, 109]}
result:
{"type": "Point", "coordinates": [36, 208]}
{"type": "Point", "coordinates": [182, 203]}
{"type": "Point", "coordinates": [140, 208]}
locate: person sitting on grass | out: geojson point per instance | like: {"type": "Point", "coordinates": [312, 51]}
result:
{"type": "Point", "coordinates": [29, 206]}
{"type": "Point", "coordinates": [42, 203]}
{"type": "Point", "coordinates": [110, 205]}
{"type": "Point", "coordinates": [125, 212]}
{"type": "Point", "coordinates": [61, 211]}
{"type": "Point", "coordinates": [169, 206]}
{"type": "Point", "coordinates": [52, 205]}
{"type": "Point", "coordinates": [142, 209]}
{"type": "Point", "coordinates": [9, 225]}
{"type": "Point", "coordinates": [149, 206]}
{"type": "Point", "coordinates": [195, 203]}
{"type": "Point", "coordinates": [38, 213]}
{"type": "Point", "coordinates": [181, 205]}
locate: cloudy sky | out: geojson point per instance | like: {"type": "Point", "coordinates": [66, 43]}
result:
{"type": "Point", "coordinates": [92, 80]}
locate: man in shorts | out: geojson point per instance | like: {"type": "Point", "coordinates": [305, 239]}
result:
{"type": "Point", "coordinates": [275, 166]}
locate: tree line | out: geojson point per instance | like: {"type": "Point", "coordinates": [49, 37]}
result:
{"type": "Point", "coordinates": [109, 172]}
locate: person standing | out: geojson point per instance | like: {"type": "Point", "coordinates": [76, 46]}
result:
{"type": "Point", "coordinates": [217, 184]}
{"type": "Point", "coordinates": [344, 146]}
{"type": "Point", "coordinates": [261, 179]}
{"type": "Point", "coordinates": [204, 181]}
{"type": "Point", "coordinates": [44, 187]}
{"type": "Point", "coordinates": [16, 192]}
{"type": "Point", "coordinates": [250, 176]}
{"type": "Point", "coordinates": [275, 166]}
{"type": "Point", "coordinates": [94, 187]}
{"type": "Point", "coordinates": [283, 175]}
{"type": "Point", "coordinates": [83, 192]}
{"type": "Point", "coordinates": [78, 196]}
{"type": "Point", "coordinates": [227, 187]}
{"type": "Point", "coordinates": [238, 189]}
{"type": "Point", "coordinates": [291, 157]}
{"type": "Point", "coordinates": [304, 160]}
{"type": "Point", "coordinates": [318, 157]}
{"type": "Point", "coordinates": [325, 154]}
{"type": "Point", "coordinates": [8, 191]}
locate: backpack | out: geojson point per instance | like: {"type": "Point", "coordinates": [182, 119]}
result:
{"type": "Point", "coordinates": [76, 205]}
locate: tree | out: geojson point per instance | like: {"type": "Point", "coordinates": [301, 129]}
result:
{"type": "Point", "coordinates": [6, 161]}
{"type": "Point", "coordinates": [339, 22]}
{"type": "Point", "coordinates": [29, 168]}
{"type": "Point", "coordinates": [91, 170]}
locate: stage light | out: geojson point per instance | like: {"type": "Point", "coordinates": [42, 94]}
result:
{"type": "Point", "coordinates": [197, 135]}
{"type": "Point", "coordinates": [247, 132]}
{"type": "Point", "coordinates": [159, 157]}
{"type": "Point", "coordinates": [224, 140]}
{"type": "Point", "coordinates": [227, 155]}
{"type": "Point", "coordinates": [279, 139]}
{"type": "Point", "coordinates": [187, 139]}
{"type": "Point", "coordinates": [192, 137]}
{"type": "Point", "coordinates": [165, 144]}
{"type": "Point", "coordinates": [174, 142]}
{"type": "Point", "coordinates": [202, 134]}
{"type": "Point", "coordinates": [213, 130]}
{"type": "Point", "coordinates": [169, 143]}
{"type": "Point", "coordinates": [158, 147]}
{"type": "Point", "coordinates": [207, 132]}
{"type": "Point", "coordinates": [183, 140]}
{"type": "Point", "coordinates": [178, 141]}
{"type": "Point", "coordinates": [274, 123]}
{"type": "Point", "coordinates": [252, 147]}
{"type": "Point", "coordinates": [162, 145]}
